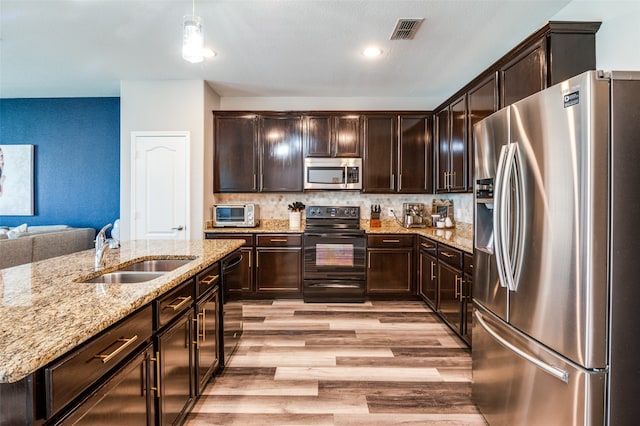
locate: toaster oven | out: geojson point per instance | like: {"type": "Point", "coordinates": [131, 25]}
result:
{"type": "Point", "coordinates": [236, 215]}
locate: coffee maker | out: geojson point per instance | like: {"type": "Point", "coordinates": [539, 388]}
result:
{"type": "Point", "coordinates": [413, 215]}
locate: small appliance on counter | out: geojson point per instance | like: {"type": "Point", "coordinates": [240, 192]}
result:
{"type": "Point", "coordinates": [413, 216]}
{"type": "Point", "coordinates": [236, 215]}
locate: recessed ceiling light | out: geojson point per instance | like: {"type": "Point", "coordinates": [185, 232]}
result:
{"type": "Point", "coordinates": [372, 52]}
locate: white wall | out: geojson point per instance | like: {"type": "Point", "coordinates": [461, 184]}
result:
{"type": "Point", "coordinates": [167, 105]}
{"type": "Point", "coordinates": [618, 38]}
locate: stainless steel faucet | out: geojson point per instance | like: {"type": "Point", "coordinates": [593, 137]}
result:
{"type": "Point", "coordinates": [102, 244]}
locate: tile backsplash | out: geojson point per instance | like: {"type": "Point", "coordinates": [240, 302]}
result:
{"type": "Point", "coordinates": [274, 206]}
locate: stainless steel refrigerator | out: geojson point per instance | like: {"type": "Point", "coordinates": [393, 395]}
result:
{"type": "Point", "coordinates": [556, 331]}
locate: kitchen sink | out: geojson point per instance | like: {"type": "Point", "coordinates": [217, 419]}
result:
{"type": "Point", "coordinates": [138, 272]}
{"type": "Point", "coordinates": [123, 277]}
{"type": "Point", "coordinates": [156, 265]}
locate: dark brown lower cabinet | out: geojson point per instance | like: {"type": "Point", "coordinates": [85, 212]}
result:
{"type": "Point", "coordinates": [467, 293]}
{"type": "Point", "coordinates": [279, 264]}
{"type": "Point", "coordinates": [175, 369]}
{"type": "Point", "coordinates": [428, 270]}
{"type": "Point", "coordinates": [451, 301]}
{"type": "Point", "coordinates": [126, 398]}
{"type": "Point", "coordinates": [207, 351]}
{"type": "Point", "coordinates": [390, 264]}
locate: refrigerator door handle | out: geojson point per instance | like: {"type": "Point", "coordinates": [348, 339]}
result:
{"type": "Point", "coordinates": [512, 241]}
{"type": "Point", "coordinates": [556, 372]}
{"type": "Point", "coordinates": [497, 216]}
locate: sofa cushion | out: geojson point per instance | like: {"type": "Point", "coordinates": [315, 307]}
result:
{"type": "Point", "coordinates": [53, 244]}
{"type": "Point", "coordinates": [15, 252]}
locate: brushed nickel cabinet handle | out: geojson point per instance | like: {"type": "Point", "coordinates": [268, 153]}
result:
{"type": "Point", "coordinates": [182, 300]}
{"type": "Point", "coordinates": [109, 357]}
{"type": "Point", "coordinates": [279, 240]}
{"type": "Point", "coordinates": [426, 245]}
{"type": "Point", "coordinates": [444, 253]}
{"type": "Point", "coordinates": [390, 241]}
{"type": "Point", "coordinates": [433, 276]}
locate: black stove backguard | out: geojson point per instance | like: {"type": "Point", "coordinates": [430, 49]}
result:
{"type": "Point", "coordinates": [334, 255]}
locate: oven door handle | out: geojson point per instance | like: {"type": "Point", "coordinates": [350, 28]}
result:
{"type": "Point", "coordinates": [332, 285]}
{"type": "Point", "coordinates": [335, 235]}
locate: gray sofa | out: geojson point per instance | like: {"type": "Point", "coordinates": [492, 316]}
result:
{"type": "Point", "coordinates": [40, 245]}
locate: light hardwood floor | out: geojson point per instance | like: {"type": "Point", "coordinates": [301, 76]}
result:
{"type": "Point", "coordinates": [377, 363]}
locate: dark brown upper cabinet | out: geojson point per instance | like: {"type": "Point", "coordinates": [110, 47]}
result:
{"type": "Point", "coordinates": [482, 101]}
{"type": "Point", "coordinates": [558, 51]}
{"type": "Point", "coordinates": [281, 153]}
{"type": "Point", "coordinates": [235, 153]}
{"type": "Point", "coordinates": [397, 153]}
{"type": "Point", "coordinates": [332, 135]}
{"type": "Point", "coordinates": [451, 147]}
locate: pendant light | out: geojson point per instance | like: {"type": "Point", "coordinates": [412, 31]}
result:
{"type": "Point", "coordinates": [193, 49]}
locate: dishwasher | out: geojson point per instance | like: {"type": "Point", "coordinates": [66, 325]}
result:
{"type": "Point", "coordinates": [231, 309]}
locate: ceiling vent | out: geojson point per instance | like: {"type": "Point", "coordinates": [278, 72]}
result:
{"type": "Point", "coordinates": [406, 29]}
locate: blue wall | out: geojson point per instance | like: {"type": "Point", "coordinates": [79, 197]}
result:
{"type": "Point", "coordinates": [77, 158]}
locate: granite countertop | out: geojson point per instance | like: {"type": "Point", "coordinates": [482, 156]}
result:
{"type": "Point", "coordinates": [44, 313]}
{"type": "Point", "coordinates": [460, 237]}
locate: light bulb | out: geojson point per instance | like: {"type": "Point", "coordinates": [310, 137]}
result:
{"type": "Point", "coordinates": [192, 41]}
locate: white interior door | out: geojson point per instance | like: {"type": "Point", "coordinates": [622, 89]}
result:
{"type": "Point", "coordinates": [160, 185]}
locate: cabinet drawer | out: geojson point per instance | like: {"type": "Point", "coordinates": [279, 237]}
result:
{"type": "Point", "coordinates": [175, 302]}
{"type": "Point", "coordinates": [468, 264]}
{"type": "Point", "coordinates": [67, 378]}
{"type": "Point", "coordinates": [428, 245]}
{"type": "Point", "coordinates": [207, 279]}
{"type": "Point", "coordinates": [279, 240]}
{"type": "Point", "coordinates": [386, 241]}
{"type": "Point", "coordinates": [248, 238]}
{"type": "Point", "coordinates": [451, 256]}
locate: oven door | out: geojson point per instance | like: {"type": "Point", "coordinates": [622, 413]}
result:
{"type": "Point", "coordinates": [334, 255]}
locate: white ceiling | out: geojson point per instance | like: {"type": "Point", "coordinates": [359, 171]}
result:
{"type": "Point", "coordinates": [266, 48]}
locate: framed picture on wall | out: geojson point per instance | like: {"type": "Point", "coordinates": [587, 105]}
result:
{"type": "Point", "coordinates": [16, 180]}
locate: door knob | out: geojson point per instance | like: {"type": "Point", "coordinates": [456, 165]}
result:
{"type": "Point", "coordinates": [178, 228]}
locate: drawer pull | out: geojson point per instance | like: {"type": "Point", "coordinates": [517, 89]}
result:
{"type": "Point", "coordinates": [390, 241]}
{"type": "Point", "coordinates": [109, 357]}
{"type": "Point", "coordinates": [433, 275]}
{"type": "Point", "coordinates": [444, 253]}
{"type": "Point", "coordinates": [279, 240]}
{"type": "Point", "coordinates": [211, 279]}
{"type": "Point", "coordinates": [429, 246]}
{"type": "Point", "coordinates": [181, 302]}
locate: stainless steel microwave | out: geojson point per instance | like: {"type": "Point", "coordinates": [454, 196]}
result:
{"type": "Point", "coordinates": [333, 173]}
{"type": "Point", "coordinates": [236, 215]}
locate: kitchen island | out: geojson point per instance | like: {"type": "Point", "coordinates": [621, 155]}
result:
{"type": "Point", "coordinates": [46, 310]}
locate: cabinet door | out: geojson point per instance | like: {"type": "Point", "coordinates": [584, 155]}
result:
{"type": "Point", "coordinates": [279, 270]}
{"type": "Point", "coordinates": [482, 101]}
{"type": "Point", "coordinates": [281, 153]}
{"type": "Point", "coordinates": [125, 399]}
{"type": "Point", "coordinates": [458, 146]}
{"type": "Point", "coordinates": [389, 271]}
{"type": "Point", "coordinates": [442, 151]}
{"type": "Point", "coordinates": [235, 154]}
{"type": "Point", "coordinates": [379, 159]}
{"type": "Point", "coordinates": [318, 134]}
{"type": "Point", "coordinates": [346, 141]}
{"type": "Point", "coordinates": [428, 279]}
{"type": "Point", "coordinates": [414, 167]}
{"type": "Point", "coordinates": [450, 281]}
{"type": "Point", "coordinates": [206, 339]}
{"type": "Point", "coordinates": [524, 75]}
{"type": "Point", "coordinates": [176, 369]}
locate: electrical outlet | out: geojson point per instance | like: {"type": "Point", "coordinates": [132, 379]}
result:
{"type": "Point", "coordinates": [390, 212]}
